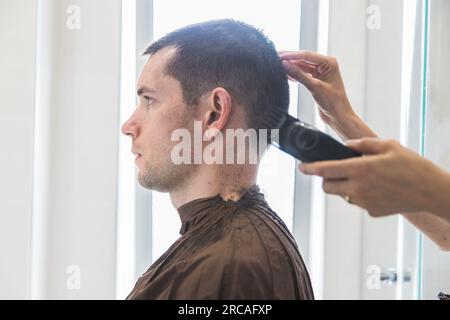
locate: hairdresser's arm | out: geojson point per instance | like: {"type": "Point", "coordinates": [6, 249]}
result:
{"type": "Point", "coordinates": [320, 74]}
{"type": "Point", "coordinates": [435, 228]}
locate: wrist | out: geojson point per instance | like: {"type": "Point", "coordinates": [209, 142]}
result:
{"type": "Point", "coordinates": [350, 126]}
{"type": "Point", "coordinates": [344, 118]}
{"type": "Point", "coordinates": [439, 187]}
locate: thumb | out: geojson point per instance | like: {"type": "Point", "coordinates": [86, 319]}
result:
{"type": "Point", "coordinates": [366, 145]}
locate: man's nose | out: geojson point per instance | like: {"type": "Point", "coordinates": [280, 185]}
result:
{"type": "Point", "coordinates": [129, 128]}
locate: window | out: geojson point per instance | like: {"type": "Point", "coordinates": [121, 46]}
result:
{"type": "Point", "coordinates": [282, 25]}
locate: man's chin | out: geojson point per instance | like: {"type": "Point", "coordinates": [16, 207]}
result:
{"type": "Point", "coordinates": [150, 184]}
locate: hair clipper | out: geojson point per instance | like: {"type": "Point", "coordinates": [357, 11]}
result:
{"type": "Point", "coordinates": [303, 141]}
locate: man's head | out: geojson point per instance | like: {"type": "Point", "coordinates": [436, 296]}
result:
{"type": "Point", "coordinates": [224, 73]}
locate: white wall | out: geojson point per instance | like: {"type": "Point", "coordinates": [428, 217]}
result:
{"type": "Point", "coordinates": [83, 88]}
{"type": "Point", "coordinates": [382, 113]}
{"type": "Point", "coordinates": [347, 42]}
{"type": "Point", "coordinates": [370, 60]}
{"type": "Point", "coordinates": [75, 138]}
{"type": "Point", "coordinates": [17, 60]}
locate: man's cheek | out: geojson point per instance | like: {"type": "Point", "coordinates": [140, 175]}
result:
{"type": "Point", "coordinates": [158, 148]}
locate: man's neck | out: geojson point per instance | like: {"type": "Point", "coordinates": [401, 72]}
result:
{"type": "Point", "coordinates": [228, 181]}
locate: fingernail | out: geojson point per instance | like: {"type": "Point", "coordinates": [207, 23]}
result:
{"type": "Point", "coordinates": [302, 168]}
{"type": "Point", "coordinates": [351, 142]}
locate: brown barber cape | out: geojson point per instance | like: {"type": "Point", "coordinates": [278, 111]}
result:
{"type": "Point", "coordinates": [228, 250]}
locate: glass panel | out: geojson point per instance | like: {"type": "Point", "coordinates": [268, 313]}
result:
{"type": "Point", "coordinates": [436, 263]}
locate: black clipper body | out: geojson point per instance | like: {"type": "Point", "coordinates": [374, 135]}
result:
{"type": "Point", "coordinates": [303, 141]}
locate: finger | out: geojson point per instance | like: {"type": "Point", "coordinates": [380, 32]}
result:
{"type": "Point", "coordinates": [367, 145]}
{"type": "Point", "coordinates": [303, 62]}
{"type": "Point", "coordinates": [299, 75]}
{"type": "Point", "coordinates": [306, 67]}
{"type": "Point", "coordinates": [304, 55]}
{"type": "Point", "coordinates": [292, 79]}
{"type": "Point", "coordinates": [340, 187]}
{"type": "Point", "coordinates": [336, 169]}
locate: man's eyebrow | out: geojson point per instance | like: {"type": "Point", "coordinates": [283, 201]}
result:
{"type": "Point", "coordinates": [141, 90]}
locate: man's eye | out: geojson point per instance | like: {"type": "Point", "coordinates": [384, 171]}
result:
{"type": "Point", "coordinates": [148, 100]}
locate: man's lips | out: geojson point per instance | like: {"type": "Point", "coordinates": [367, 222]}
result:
{"type": "Point", "coordinates": [138, 155]}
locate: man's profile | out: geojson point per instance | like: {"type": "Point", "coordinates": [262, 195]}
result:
{"type": "Point", "coordinates": [224, 74]}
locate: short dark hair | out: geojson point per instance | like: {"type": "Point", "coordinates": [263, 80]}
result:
{"type": "Point", "coordinates": [230, 54]}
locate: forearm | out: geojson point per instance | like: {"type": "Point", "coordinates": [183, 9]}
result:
{"type": "Point", "coordinates": [350, 126]}
{"type": "Point", "coordinates": [435, 223]}
{"type": "Point", "coordinates": [434, 220]}
{"type": "Point", "coordinates": [435, 228]}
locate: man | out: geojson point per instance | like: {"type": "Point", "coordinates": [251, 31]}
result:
{"type": "Point", "coordinates": [225, 75]}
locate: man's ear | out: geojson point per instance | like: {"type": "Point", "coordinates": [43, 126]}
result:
{"type": "Point", "coordinates": [219, 109]}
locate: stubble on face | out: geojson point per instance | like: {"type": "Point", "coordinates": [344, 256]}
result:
{"type": "Point", "coordinates": [160, 173]}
